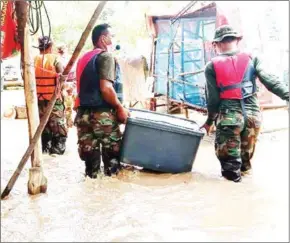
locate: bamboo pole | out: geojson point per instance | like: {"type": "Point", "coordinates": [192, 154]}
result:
{"type": "Point", "coordinates": [37, 182]}
{"type": "Point", "coordinates": [21, 7]}
{"type": "Point", "coordinates": [31, 99]}
{"type": "Point", "coordinates": [51, 103]}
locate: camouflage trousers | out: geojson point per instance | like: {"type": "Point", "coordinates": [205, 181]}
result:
{"type": "Point", "coordinates": [235, 142]}
{"type": "Point", "coordinates": [69, 104]}
{"type": "Point", "coordinates": [98, 136]}
{"type": "Point", "coordinates": [54, 135]}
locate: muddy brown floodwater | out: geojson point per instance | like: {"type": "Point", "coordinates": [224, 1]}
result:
{"type": "Point", "coordinates": [138, 206]}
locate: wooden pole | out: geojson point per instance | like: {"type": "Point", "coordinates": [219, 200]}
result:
{"type": "Point", "coordinates": [37, 183]}
{"type": "Point", "coordinates": [51, 103]}
{"type": "Point", "coordinates": [31, 99]}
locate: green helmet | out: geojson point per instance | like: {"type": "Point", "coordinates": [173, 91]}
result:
{"type": "Point", "coordinates": [225, 31]}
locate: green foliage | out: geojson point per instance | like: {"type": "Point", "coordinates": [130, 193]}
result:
{"type": "Point", "coordinates": [69, 19]}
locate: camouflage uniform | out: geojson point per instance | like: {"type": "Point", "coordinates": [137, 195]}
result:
{"type": "Point", "coordinates": [69, 97]}
{"type": "Point", "coordinates": [237, 132]}
{"type": "Point", "coordinates": [98, 130]}
{"type": "Point", "coordinates": [236, 139]}
{"type": "Point", "coordinates": [55, 132]}
{"type": "Point", "coordinates": [69, 89]}
{"type": "Point", "coordinates": [69, 103]}
{"type": "Point", "coordinates": [47, 65]}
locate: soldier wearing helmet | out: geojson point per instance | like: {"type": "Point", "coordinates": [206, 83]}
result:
{"type": "Point", "coordinates": [232, 102]}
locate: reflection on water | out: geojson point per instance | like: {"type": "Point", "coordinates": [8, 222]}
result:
{"type": "Point", "coordinates": [143, 206]}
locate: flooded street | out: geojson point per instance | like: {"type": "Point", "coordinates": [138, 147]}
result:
{"type": "Point", "coordinates": [103, 56]}
{"type": "Point", "coordinates": [139, 206]}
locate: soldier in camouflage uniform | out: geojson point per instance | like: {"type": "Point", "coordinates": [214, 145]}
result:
{"type": "Point", "coordinates": [55, 132]}
{"type": "Point", "coordinates": [98, 128]}
{"type": "Point", "coordinates": [69, 96]}
{"type": "Point", "coordinates": [99, 111]}
{"type": "Point", "coordinates": [232, 101]}
{"type": "Point", "coordinates": [47, 67]}
{"type": "Point", "coordinates": [69, 89]}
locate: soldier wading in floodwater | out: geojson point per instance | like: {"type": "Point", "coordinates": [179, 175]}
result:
{"type": "Point", "coordinates": [99, 111]}
{"type": "Point", "coordinates": [232, 101]}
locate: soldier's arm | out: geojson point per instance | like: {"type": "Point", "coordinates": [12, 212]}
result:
{"type": "Point", "coordinates": [106, 67]}
{"type": "Point", "coordinates": [59, 69]}
{"type": "Point", "coordinates": [58, 65]}
{"type": "Point", "coordinates": [106, 70]}
{"type": "Point", "coordinates": [271, 82]}
{"type": "Point", "coordinates": [212, 94]}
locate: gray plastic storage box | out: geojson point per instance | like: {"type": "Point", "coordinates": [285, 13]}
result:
{"type": "Point", "coordinates": [160, 142]}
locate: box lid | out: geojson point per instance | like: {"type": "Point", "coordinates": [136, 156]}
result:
{"type": "Point", "coordinates": [165, 121]}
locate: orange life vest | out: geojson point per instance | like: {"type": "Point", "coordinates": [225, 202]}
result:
{"type": "Point", "coordinates": [45, 75]}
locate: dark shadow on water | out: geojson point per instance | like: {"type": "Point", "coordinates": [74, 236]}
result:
{"type": "Point", "coordinates": [154, 172]}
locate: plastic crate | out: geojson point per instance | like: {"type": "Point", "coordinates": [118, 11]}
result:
{"type": "Point", "coordinates": [160, 142]}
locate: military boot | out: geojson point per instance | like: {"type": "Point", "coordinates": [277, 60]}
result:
{"type": "Point", "coordinates": [111, 161]}
{"type": "Point", "coordinates": [58, 145]}
{"type": "Point", "coordinates": [92, 163]}
{"type": "Point", "coordinates": [232, 176]}
{"type": "Point", "coordinates": [246, 167]}
{"type": "Point", "coordinates": [92, 169]}
{"type": "Point", "coordinates": [46, 143]}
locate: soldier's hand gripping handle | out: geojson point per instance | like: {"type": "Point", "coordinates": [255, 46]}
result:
{"type": "Point", "coordinates": [207, 128]}
{"type": "Point", "coordinates": [123, 114]}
